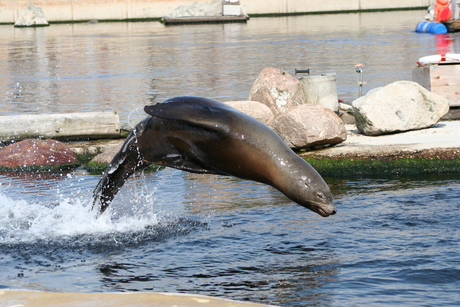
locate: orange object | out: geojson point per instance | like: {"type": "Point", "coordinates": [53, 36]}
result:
{"type": "Point", "coordinates": [442, 11]}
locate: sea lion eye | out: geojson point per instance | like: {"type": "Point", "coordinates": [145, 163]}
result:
{"type": "Point", "coordinates": [320, 195]}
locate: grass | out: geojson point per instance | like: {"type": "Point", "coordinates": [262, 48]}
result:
{"type": "Point", "coordinates": [405, 166]}
{"type": "Point", "coordinates": [325, 166]}
{"type": "Point", "coordinates": [83, 161]}
{"type": "Point", "coordinates": [39, 168]}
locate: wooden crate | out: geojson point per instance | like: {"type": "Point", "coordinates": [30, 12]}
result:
{"type": "Point", "coordinates": [442, 79]}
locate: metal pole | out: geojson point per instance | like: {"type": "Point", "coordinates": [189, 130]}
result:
{"type": "Point", "coordinates": [359, 70]}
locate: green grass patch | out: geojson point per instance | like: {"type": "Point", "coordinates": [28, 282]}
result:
{"type": "Point", "coordinates": [83, 161]}
{"type": "Point", "coordinates": [369, 167]}
{"type": "Point", "coordinates": [39, 168]}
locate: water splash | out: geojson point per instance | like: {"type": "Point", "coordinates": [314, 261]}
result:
{"type": "Point", "coordinates": [135, 116]}
{"type": "Point", "coordinates": [23, 222]}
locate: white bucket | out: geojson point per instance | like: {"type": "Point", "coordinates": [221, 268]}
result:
{"type": "Point", "coordinates": [321, 90]}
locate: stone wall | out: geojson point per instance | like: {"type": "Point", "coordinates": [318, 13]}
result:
{"type": "Point", "coordinates": [81, 10]}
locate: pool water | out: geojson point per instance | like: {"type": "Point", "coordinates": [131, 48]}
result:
{"type": "Point", "coordinates": [392, 242]}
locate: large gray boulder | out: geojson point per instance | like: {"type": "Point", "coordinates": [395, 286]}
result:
{"type": "Point", "coordinates": [399, 106]}
{"type": "Point", "coordinates": [277, 89]}
{"type": "Point", "coordinates": [253, 108]}
{"type": "Point", "coordinates": [32, 16]}
{"type": "Point", "coordinates": [307, 126]}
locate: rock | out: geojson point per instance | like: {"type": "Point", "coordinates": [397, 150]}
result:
{"type": "Point", "coordinates": [347, 118]}
{"type": "Point", "coordinates": [32, 16]}
{"type": "Point", "coordinates": [277, 89]}
{"type": "Point", "coordinates": [253, 108]}
{"type": "Point", "coordinates": [345, 107]}
{"type": "Point", "coordinates": [36, 152]}
{"type": "Point", "coordinates": [107, 155]}
{"type": "Point", "coordinates": [212, 8]}
{"type": "Point", "coordinates": [346, 114]}
{"type": "Point", "coordinates": [399, 106]}
{"type": "Point", "coordinates": [307, 126]}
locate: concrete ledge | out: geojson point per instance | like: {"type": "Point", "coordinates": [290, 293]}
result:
{"type": "Point", "coordinates": [442, 136]}
{"type": "Point", "coordinates": [93, 125]}
{"type": "Point", "coordinates": [50, 299]}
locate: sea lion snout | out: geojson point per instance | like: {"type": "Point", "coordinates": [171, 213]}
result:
{"type": "Point", "coordinates": [327, 205]}
{"type": "Point", "coordinates": [322, 203]}
{"type": "Point", "coordinates": [331, 210]}
{"type": "Point", "coordinates": [324, 210]}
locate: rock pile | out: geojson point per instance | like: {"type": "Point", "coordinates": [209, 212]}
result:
{"type": "Point", "coordinates": [278, 100]}
{"type": "Point", "coordinates": [299, 124]}
{"type": "Point", "coordinates": [212, 8]}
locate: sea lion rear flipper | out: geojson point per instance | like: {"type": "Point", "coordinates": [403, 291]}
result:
{"type": "Point", "coordinates": [125, 162]}
{"type": "Point", "coordinates": [196, 111]}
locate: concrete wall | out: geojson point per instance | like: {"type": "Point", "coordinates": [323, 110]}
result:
{"type": "Point", "coordinates": [311, 6]}
{"type": "Point", "coordinates": [77, 10]}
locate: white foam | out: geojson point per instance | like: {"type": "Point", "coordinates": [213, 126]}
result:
{"type": "Point", "coordinates": [21, 221]}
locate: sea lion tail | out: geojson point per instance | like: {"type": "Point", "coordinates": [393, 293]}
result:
{"type": "Point", "coordinates": [125, 163]}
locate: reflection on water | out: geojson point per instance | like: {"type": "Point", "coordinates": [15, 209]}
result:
{"type": "Point", "coordinates": [123, 66]}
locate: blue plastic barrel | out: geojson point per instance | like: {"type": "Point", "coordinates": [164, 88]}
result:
{"type": "Point", "coordinates": [430, 27]}
{"type": "Point", "coordinates": [420, 28]}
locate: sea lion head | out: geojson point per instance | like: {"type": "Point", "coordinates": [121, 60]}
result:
{"type": "Point", "coordinates": [319, 197]}
{"type": "Point", "coordinates": [300, 182]}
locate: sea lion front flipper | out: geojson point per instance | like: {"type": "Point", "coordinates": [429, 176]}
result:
{"type": "Point", "coordinates": [202, 112]}
{"type": "Point", "coordinates": [184, 164]}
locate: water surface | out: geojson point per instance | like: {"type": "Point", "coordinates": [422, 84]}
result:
{"type": "Point", "coordinates": [124, 66]}
{"type": "Point", "coordinates": [393, 242]}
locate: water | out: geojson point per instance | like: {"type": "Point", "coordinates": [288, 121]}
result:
{"type": "Point", "coordinates": [394, 241]}
{"type": "Point", "coordinates": [124, 66]}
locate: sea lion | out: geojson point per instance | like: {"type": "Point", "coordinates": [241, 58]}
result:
{"type": "Point", "coordinates": [202, 135]}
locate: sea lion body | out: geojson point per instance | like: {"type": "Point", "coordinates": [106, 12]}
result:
{"type": "Point", "coordinates": [202, 135]}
